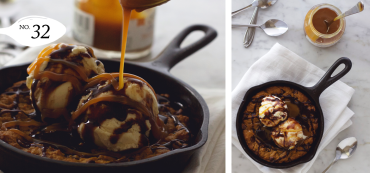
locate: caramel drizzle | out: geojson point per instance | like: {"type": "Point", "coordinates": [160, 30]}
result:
{"type": "Point", "coordinates": [44, 144]}
{"type": "Point", "coordinates": [111, 78]}
{"type": "Point", "coordinates": [254, 117]}
{"type": "Point", "coordinates": [41, 57]}
{"type": "Point", "coordinates": [44, 57]}
{"type": "Point", "coordinates": [157, 125]}
{"type": "Point", "coordinates": [75, 80]}
{"type": "Point", "coordinates": [126, 22]}
{"type": "Point", "coordinates": [119, 99]}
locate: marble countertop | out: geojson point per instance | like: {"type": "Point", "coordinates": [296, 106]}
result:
{"type": "Point", "coordinates": [355, 44]}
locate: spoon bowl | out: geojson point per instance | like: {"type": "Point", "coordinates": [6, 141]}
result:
{"type": "Point", "coordinates": [265, 3]}
{"type": "Point", "coordinates": [347, 147]}
{"type": "Point", "coordinates": [256, 3]}
{"type": "Point", "coordinates": [272, 27]}
{"type": "Point", "coordinates": [344, 150]}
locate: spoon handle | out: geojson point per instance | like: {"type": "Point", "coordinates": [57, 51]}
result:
{"type": "Point", "coordinates": [240, 10]}
{"type": "Point", "coordinates": [4, 31]}
{"type": "Point", "coordinates": [249, 34]}
{"type": "Point", "coordinates": [327, 169]}
{"type": "Point", "coordinates": [338, 154]}
{"type": "Point", "coordinates": [245, 25]}
{"type": "Point", "coordinates": [332, 163]}
{"type": "Point", "coordinates": [356, 9]}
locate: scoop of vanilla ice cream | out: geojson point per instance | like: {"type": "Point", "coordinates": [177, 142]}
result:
{"type": "Point", "coordinates": [108, 133]}
{"type": "Point", "coordinates": [272, 111]}
{"type": "Point", "coordinates": [287, 134]}
{"type": "Point", "coordinates": [52, 97]}
{"type": "Point", "coordinates": [131, 138]}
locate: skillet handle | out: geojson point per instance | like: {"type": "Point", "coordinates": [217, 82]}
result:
{"type": "Point", "coordinates": [173, 54]}
{"type": "Point", "coordinates": [327, 80]}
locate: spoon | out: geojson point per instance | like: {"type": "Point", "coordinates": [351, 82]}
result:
{"type": "Point", "coordinates": [345, 150]}
{"type": "Point", "coordinates": [272, 27]}
{"type": "Point", "coordinates": [249, 34]}
{"type": "Point", "coordinates": [356, 9]}
{"type": "Point", "coordinates": [256, 3]}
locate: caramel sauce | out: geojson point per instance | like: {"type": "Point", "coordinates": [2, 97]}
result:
{"type": "Point", "coordinates": [126, 22]}
{"type": "Point", "coordinates": [65, 138]}
{"type": "Point", "coordinates": [120, 97]}
{"type": "Point", "coordinates": [71, 142]}
{"type": "Point", "coordinates": [79, 80]}
{"type": "Point", "coordinates": [325, 14]}
{"type": "Point", "coordinates": [62, 136]}
{"type": "Point", "coordinates": [107, 22]}
{"type": "Point", "coordinates": [296, 110]}
{"type": "Point", "coordinates": [293, 109]}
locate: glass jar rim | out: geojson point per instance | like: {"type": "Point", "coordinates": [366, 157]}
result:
{"type": "Point", "coordinates": [336, 10]}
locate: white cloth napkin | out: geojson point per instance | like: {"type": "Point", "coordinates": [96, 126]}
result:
{"type": "Point", "coordinates": [211, 157]}
{"type": "Point", "coordinates": [282, 64]}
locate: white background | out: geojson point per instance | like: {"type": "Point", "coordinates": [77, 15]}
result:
{"type": "Point", "coordinates": [355, 45]}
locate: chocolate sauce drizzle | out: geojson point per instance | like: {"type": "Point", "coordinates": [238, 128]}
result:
{"type": "Point", "coordinates": [60, 56]}
{"type": "Point", "coordinates": [300, 113]}
{"type": "Point", "coordinates": [21, 89]}
{"type": "Point", "coordinates": [61, 136]}
{"type": "Point", "coordinates": [118, 106]}
{"type": "Point", "coordinates": [278, 106]}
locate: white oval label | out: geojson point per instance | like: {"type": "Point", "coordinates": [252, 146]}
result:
{"type": "Point", "coordinates": [35, 30]}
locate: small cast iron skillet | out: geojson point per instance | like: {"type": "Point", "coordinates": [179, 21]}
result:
{"type": "Point", "coordinates": [157, 74]}
{"type": "Point", "coordinates": [313, 93]}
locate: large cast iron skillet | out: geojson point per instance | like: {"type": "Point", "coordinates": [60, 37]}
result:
{"type": "Point", "coordinates": [157, 74]}
{"type": "Point", "coordinates": [313, 93]}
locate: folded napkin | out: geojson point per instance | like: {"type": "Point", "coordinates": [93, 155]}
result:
{"type": "Point", "coordinates": [211, 157]}
{"type": "Point", "coordinates": [282, 64]}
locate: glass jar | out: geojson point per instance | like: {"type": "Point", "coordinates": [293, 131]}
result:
{"type": "Point", "coordinates": [322, 39]}
{"type": "Point", "coordinates": [99, 24]}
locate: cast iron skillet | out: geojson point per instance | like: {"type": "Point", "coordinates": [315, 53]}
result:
{"type": "Point", "coordinates": [313, 93]}
{"type": "Point", "coordinates": [157, 74]}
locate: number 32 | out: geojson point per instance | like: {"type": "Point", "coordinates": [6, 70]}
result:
{"type": "Point", "coordinates": [38, 33]}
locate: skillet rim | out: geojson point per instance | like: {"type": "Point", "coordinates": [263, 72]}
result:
{"type": "Point", "coordinates": [203, 129]}
{"type": "Point", "coordinates": [308, 92]}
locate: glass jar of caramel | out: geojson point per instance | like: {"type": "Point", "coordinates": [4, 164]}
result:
{"type": "Point", "coordinates": [317, 32]}
{"type": "Point", "coordinates": [98, 23]}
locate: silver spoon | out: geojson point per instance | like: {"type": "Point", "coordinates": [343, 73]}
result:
{"type": "Point", "coordinates": [272, 27]}
{"type": "Point", "coordinates": [249, 34]}
{"type": "Point", "coordinates": [256, 3]}
{"type": "Point", "coordinates": [356, 9]}
{"type": "Point", "coordinates": [345, 150]}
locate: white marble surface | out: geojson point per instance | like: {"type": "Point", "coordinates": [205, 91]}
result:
{"type": "Point", "coordinates": [203, 69]}
{"type": "Point", "coordinates": [355, 44]}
